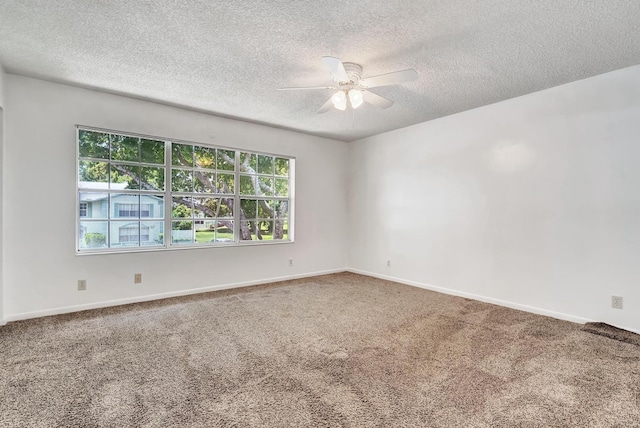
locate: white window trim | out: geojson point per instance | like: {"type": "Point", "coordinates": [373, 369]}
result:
{"type": "Point", "coordinates": [167, 245]}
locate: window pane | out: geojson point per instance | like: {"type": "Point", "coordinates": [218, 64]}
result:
{"type": "Point", "coordinates": [282, 167]}
{"type": "Point", "coordinates": [204, 182]}
{"type": "Point", "coordinates": [224, 231]}
{"type": "Point", "coordinates": [280, 229]}
{"type": "Point", "coordinates": [265, 209]}
{"type": "Point", "coordinates": [282, 187]}
{"type": "Point", "coordinates": [281, 209]}
{"type": "Point", "coordinates": [93, 175]}
{"type": "Point", "coordinates": [92, 234]}
{"type": "Point", "coordinates": [181, 208]}
{"type": "Point", "coordinates": [125, 148]}
{"type": "Point", "coordinates": [182, 154]}
{"type": "Point", "coordinates": [125, 176]}
{"type": "Point", "coordinates": [182, 232]}
{"type": "Point", "coordinates": [124, 205]}
{"type": "Point", "coordinates": [152, 178]}
{"type": "Point", "coordinates": [205, 157]}
{"type": "Point", "coordinates": [205, 207]}
{"type": "Point", "coordinates": [246, 185]}
{"type": "Point", "coordinates": [205, 231]}
{"type": "Point", "coordinates": [181, 180]}
{"type": "Point", "coordinates": [151, 233]}
{"type": "Point", "coordinates": [249, 208]}
{"type": "Point", "coordinates": [248, 162]}
{"type": "Point", "coordinates": [124, 233]}
{"type": "Point", "coordinates": [265, 164]}
{"type": "Point", "coordinates": [93, 144]}
{"type": "Point", "coordinates": [266, 186]}
{"type": "Point", "coordinates": [93, 205]}
{"type": "Point", "coordinates": [151, 206]}
{"type": "Point", "coordinates": [152, 151]}
{"type": "Point", "coordinates": [265, 230]}
{"type": "Point", "coordinates": [248, 230]}
{"type": "Point", "coordinates": [226, 160]}
{"type": "Point", "coordinates": [225, 183]}
{"type": "Point", "coordinates": [225, 209]}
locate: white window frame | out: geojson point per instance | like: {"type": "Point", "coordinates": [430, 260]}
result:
{"type": "Point", "coordinates": [167, 220]}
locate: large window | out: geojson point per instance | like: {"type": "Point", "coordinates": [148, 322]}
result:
{"type": "Point", "coordinates": [134, 191]}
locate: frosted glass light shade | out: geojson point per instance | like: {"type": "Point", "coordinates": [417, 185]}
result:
{"type": "Point", "coordinates": [355, 97]}
{"type": "Point", "coordinates": [339, 100]}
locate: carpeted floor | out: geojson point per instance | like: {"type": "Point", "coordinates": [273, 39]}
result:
{"type": "Point", "coordinates": [331, 351]}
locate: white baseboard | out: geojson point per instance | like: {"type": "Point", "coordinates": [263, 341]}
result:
{"type": "Point", "coordinates": [512, 305]}
{"type": "Point", "coordinates": [159, 296]}
{"type": "Point", "coordinates": [138, 299]}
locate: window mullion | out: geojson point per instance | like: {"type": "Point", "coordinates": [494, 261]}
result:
{"type": "Point", "coordinates": [236, 199]}
{"type": "Point", "coordinates": [167, 194]}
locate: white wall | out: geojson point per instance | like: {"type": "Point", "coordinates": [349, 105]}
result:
{"type": "Point", "coordinates": [41, 268]}
{"type": "Point", "coordinates": [2, 85]}
{"type": "Point", "coordinates": [2, 79]}
{"type": "Point", "coordinates": [533, 202]}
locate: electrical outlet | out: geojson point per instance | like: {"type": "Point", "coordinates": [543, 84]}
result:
{"type": "Point", "coordinates": [290, 262]}
{"type": "Point", "coordinates": [137, 278]}
{"type": "Point", "coordinates": [616, 302]}
{"type": "Point", "coordinates": [388, 263]}
{"type": "Point", "coordinates": [82, 284]}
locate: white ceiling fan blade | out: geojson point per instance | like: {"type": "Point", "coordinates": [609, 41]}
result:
{"type": "Point", "coordinates": [326, 106]}
{"type": "Point", "coordinates": [392, 78]}
{"type": "Point", "coordinates": [306, 87]}
{"type": "Point", "coordinates": [336, 69]}
{"type": "Point", "coordinates": [376, 100]}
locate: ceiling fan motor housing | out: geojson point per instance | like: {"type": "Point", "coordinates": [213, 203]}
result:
{"type": "Point", "coordinates": [354, 71]}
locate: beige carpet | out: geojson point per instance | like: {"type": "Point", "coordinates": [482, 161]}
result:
{"type": "Point", "coordinates": [338, 350]}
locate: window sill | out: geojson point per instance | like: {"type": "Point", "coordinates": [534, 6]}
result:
{"type": "Point", "coordinates": [180, 247]}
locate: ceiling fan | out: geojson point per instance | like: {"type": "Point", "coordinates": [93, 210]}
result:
{"type": "Point", "coordinates": [352, 89]}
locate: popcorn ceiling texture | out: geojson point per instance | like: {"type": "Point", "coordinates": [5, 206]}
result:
{"type": "Point", "coordinates": [228, 57]}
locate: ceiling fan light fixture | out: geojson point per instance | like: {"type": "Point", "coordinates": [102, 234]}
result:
{"type": "Point", "coordinates": [339, 100]}
{"type": "Point", "coordinates": [356, 98]}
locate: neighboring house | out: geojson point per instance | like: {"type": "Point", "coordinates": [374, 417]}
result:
{"type": "Point", "coordinates": [126, 216]}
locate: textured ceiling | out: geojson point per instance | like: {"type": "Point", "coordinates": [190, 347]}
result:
{"type": "Point", "coordinates": [228, 57]}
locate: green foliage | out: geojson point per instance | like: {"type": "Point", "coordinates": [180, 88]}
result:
{"type": "Point", "coordinates": [225, 183]}
{"type": "Point", "coordinates": [94, 240]}
{"type": "Point", "coordinates": [182, 225]}
{"type": "Point", "coordinates": [181, 180]}
{"type": "Point", "coordinates": [282, 186]}
{"type": "Point", "coordinates": [249, 207]}
{"type": "Point", "coordinates": [182, 154]}
{"type": "Point", "coordinates": [282, 167]}
{"type": "Point", "coordinates": [203, 181]}
{"type": "Point", "coordinates": [93, 144]}
{"type": "Point", "coordinates": [246, 185]}
{"type": "Point", "coordinates": [265, 164]}
{"type": "Point", "coordinates": [152, 151]}
{"type": "Point", "coordinates": [205, 207]}
{"type": "Point", "coordinates": [248, 160]}
{"type": "Point", "coordinates": [266, 186]}
{"type": "Point", "coordinates": [125, 148]}
{"type": "Point", "coordinates": [205, 157]}
{"type": "Point", "coordinates": [93, 171]}
{"type": "Point", "coordinates": [180, 210]}
{"type": "Point", "coordinates": [226, 160]}
{"type": "Point", "coordinates": [152, 178]}
{"type": "Point", "coordinates": [120, 148]}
